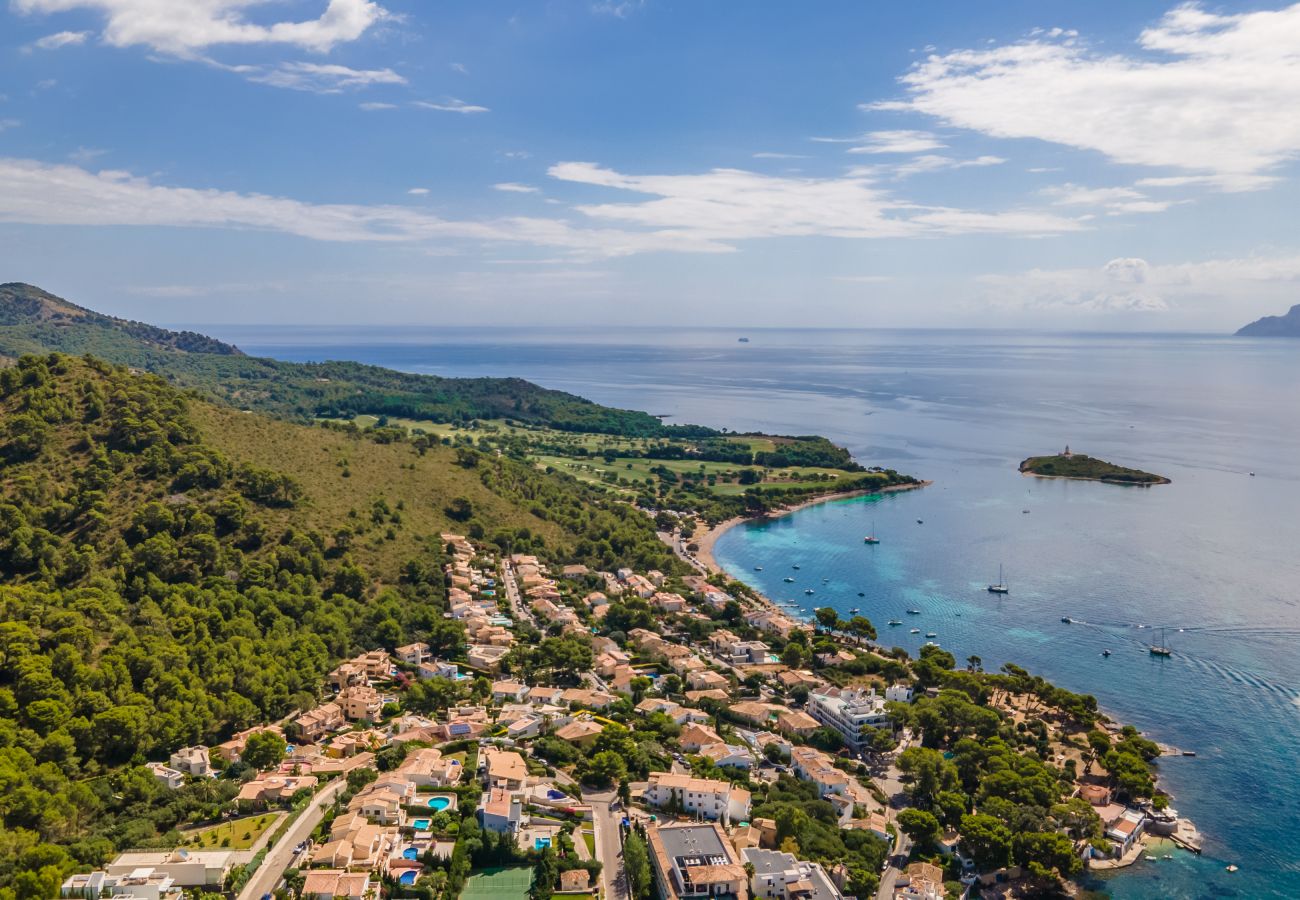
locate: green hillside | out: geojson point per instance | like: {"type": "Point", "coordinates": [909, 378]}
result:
{"type": "Point", "coordinates": [34, 321]}
{"type": "Point", "coordinates": [172, 571]}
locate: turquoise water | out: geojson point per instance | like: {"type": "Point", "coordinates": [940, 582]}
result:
{"type": "Point", "coordinates": [541, 843]}
{"type": "Point", "coordinates": [407, 877]}
{"type": "Point", "coordinates": [420, 824]}
{"type": "Point", "coordinates": [1213, 554]}
{"type": "Point", "coordinates": [411, 853]}
{"type": "Point", "coordinates": [439, 803]}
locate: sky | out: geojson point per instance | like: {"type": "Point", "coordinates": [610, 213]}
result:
{"type": "Point", "coordinates": [1125, 166]}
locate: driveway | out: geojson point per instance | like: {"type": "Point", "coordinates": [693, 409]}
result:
{"type": "Point", "coordinates": [277, 860]}
{"type": "Point", "coordinates": [609, 843]}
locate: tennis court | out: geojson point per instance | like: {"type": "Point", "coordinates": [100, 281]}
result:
{"type": "Point", "coordinates": [499, 884]}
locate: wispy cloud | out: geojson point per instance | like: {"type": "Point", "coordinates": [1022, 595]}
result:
{"type": "Point", "coordinates": [514, 187]}
{"type": "Point", "coordinates": [732, 204]}
{"type": "Point", "coordinates": [1209, 95]}
{"type": "Point", "coordinates": [927, 162]}
{"type": "Point", "coordinates": [458, 67]}
{"type": "Point", "coordinates": [184, 28]}
{"type": "Point", "coordinates": [450, 105]}
{"type": "Point", "coordinates": [1114, 200]}
{"type": "Point", "coordinates": [61, 39]}
{"type": "Point", "coordinates": [319, 78]}
{"type": "Point", "coordinates": [619, 9]}
{"type": "Point", "coordinates": [769, 155]}
{"type": "Point", "coordinates": [376, 107]}
{"type": "Point", "coordinates": [418, 191]}
{"type": "Point", "coordinates": [85, 155]}
{"type": "Point", "coordinates": [6, 124]}
{"type": "Point", "coordinates": [897, 142]}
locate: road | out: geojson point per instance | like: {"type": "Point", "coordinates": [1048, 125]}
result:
{"type": "Point", "coordinates": [902, 847]}
{"type": "Point", "coordinates": [277, 860]}
{"type": "Point", "coordinates": [609, 844]}
{"type": "Point", "coordinates": [520, 612]}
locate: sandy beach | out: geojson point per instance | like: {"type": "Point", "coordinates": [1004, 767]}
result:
{"type": "Point", "coordinates": [706, 539]}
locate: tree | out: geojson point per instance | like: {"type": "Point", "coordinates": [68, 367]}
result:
{"type": "Point", "coordinates": [986, 841]}
{"type": "Point", "coordinates": [921, 826]}
{"type": "Point", "coordinates": [1046, 853]}
{"type": "Point", "coordinates": [827, 618]}
{"type": "Point", "coordinates": [604, 767]}
{"type": "Point", "coordinates": [636, 863]}
{"type": "Point", "coordinates": [263, 750]}
{"type": "Point", "coordinates": [459, 509]}
{"type": "Point", "coordinates": [860, 626]}
{"type": "Point", "coordinates": [792, 656]}
{"type": "Point", "coordinates": [951, 807]}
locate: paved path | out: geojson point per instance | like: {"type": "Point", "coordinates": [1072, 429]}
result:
{"type": "Point", "coordinates": [609, 844]}
{"type": "Point", "coordinates": [902, 846]}
{"type": "Point", "coordinates": [277, 860]}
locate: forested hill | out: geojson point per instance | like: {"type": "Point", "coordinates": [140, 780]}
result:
{"type": "Point", "coordinates": [171, 571]}
{"type": "Point", "coordinates": [34, 321]}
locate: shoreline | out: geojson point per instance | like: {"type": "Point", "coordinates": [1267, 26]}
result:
{"type": "Point", "coordinates": [1160, 479]}
{"type": "Point", "coordinates": [709, 538]}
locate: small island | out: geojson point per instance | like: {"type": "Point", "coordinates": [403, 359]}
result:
{"type": "Point", "coordinates": [1086, 468]}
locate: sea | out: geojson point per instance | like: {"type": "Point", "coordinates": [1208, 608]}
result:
{"type": "Point", "coordinates": [1208, 565]}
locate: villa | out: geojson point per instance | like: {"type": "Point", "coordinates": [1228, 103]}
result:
{"type": "Point", "coordinates": [327, 884]}
{"type": "Point", "coordinates": [691, 861]}
{"type": "Point", "coordinates": [192, 760]}
{"type": "Point", "coordinates": [782, 876]}
{"type": "Point", "coordinates": [703, 797]}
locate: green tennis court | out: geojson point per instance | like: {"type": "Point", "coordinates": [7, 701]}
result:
{"type": "Point", "coordinates": [499, 884]}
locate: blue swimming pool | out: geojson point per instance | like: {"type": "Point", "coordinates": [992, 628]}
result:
{"type": "Point", "coordinates": [410, 853]}
{"type": "Point", "coordinates": [541, 843]}
{"type": "Point", "coordinates": [420, 824]}
{"type": "Point", "coordinates": [407, 877]}
{"type": "Point", "coordinates": [439, 803]}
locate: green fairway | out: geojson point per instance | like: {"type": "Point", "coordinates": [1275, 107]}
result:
{"type": "Point", "coordinates": [499, 884]}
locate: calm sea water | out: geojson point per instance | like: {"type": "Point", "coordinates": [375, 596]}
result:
{"type": "Point", "coordinates": [1211, 561]}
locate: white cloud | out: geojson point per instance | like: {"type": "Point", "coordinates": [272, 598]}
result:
{"type": "Point", "coordinates": [182, 27]}
{"type": "Point", "coordinates": [927, 162]}
{"type": "Point", "coordinates": [733, 204]}
{"type": "Point", "coordinates": [61, 39]}
{"type": "Point", "coordinates": [1129, 284]}
{"type": "Point", "coordinates": [897, 142]}
{"type": "Point", "coordinates": [515, 188]}
{"type": "Point", "coordinates": [768, 155]}
{"type": "Point", "coordinates": [320, 78]}
{"type": "Point", "coordinates": [619, 9]}
{"type": "Point", "coordinates": [1211, 94]}
{"type": "Point", "coordinates": [1115, 200]}
{"type": "Point", "coordinates": [376, 107]}
{"type": "Point", "coordinates": [85, 155]}
{"type": "Point", "coordinates": [36, 193]}
{"type": "Point", "coordinates": [418, 192]}
{"type": "Point", "coordinates": [6, 124]}
{"type": "Point", "coordinates": [450, 105]}
{"type": "Point", "coordinates": [458, 67]}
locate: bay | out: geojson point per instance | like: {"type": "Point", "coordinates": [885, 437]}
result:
{"type": "Point", "coordinates": [1212, 559]}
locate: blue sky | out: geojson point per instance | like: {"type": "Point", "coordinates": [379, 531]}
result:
{"type": "Point", "coordinates": [1104, 165]}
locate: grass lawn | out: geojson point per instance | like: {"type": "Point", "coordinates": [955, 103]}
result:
{"type": "Point", "coordinates": [499, 884]}
{"type": "Point", "coordinates": [589, 839]}
{"type": "Point", "coordinates": [239, 833]}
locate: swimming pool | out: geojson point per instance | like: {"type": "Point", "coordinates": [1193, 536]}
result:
{"type": "Point", "coordinates": [420, 824]}
{"type": "Point", "coordinates": [407, 877]}
{"type": "Point", "coordinates": [541, 843]}
{"type": "Point", "coordinates": [411, 853]}
{"type": "Point", "coordinates": [439, 803]}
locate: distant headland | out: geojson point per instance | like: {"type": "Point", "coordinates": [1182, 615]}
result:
{"type": "Point", "coordinates": [1274, 326]}
{"type": "Point", "coordinates": [1086, 468]}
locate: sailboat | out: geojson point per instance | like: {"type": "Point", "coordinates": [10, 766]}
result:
{"type": "Point", "coordinates": [1001, 587]}
{"type": "Point", "coordinates": [1160, 649]}
{"type": "Point", "coordinates": [871, 538]}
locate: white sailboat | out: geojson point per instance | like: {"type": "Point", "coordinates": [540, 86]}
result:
{"type": "Point", "coordinates": [1001, 587]}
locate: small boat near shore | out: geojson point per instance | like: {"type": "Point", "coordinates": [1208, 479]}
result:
{"type": "Point", "coordinates": [916, 631]}
{"type": "Point", "coordinates": [895, 621]}
{"type": "Point", "coordinates": [1067, 620]}
{"type": "Point", "coordinates": [931, 634]}
{"type": "Point", "coordinates": [789, 580]}
{"type": "Point", "coordinates": [1001, 587]}
{"type": "Point", "coordinates": [1105, 653]}
{"type": "Point", "coordinates": [871, 538]}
